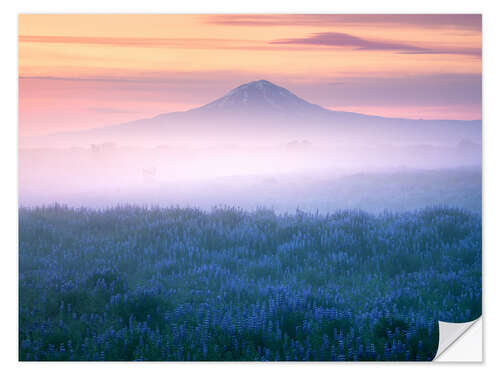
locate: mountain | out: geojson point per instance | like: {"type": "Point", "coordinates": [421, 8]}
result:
{"type": "Point", "coordinates": [261, 112]}
{"type": "Point", "coordinates": [261, 97]}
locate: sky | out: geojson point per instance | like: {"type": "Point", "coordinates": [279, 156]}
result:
{"type": "Point", "coordinates": [81, 71]}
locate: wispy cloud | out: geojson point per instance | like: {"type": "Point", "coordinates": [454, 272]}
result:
{"type": "Point", "coordinates": [334, 39]}
{"type": "Point", "coordinates": [175, 78]}
{"type": "Point", "coordinates": [177, 43]}
{"type": "Point", "coordinates": [347, 40]}
{"type": "Point", "coordinates": [100, 79]}
{"type": "Point", "coordinates": [134, 42]}
{"type": "Point", "coordinates": [457, 21]}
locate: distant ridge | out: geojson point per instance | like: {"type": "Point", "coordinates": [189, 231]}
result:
{"type": "Point", "coordinates": [262, 112]}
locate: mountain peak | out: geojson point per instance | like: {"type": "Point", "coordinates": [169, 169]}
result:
{"type": "Point", "coordinates": [261, 97]}
{"type": "Point", "coordinates": [261, 84]}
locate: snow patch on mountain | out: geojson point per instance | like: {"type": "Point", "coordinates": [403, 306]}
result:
{"type": "Point", "coordinates": [261, 96]}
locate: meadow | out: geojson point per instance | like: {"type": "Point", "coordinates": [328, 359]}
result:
{"type": "Point", "coordinates": [185, 284]}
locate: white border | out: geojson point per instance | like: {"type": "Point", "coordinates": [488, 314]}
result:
{"type": "Point", "coordinates": [8, 160]}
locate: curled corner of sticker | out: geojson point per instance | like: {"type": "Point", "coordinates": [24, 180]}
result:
{"type": "Point", "coordinates": [457, 334]}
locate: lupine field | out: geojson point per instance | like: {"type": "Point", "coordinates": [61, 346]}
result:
{"type": "Point", "coordinates": [182, 284]}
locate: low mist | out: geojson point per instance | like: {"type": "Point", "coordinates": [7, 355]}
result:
{"type": "Point", "coordinates": [285, 177]}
